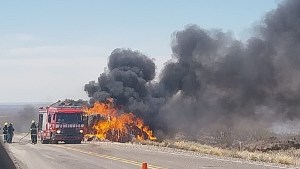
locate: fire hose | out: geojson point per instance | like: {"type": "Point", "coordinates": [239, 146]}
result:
{"type": "Point", "coordinates": [26, 142]}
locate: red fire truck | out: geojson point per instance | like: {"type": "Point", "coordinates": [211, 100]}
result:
{"type": "Point", "coordinates": [61, 122]}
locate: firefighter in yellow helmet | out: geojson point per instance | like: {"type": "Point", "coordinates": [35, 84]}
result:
{"type": "Point", "coordinates": [5, 128]}
{"type": "Point", "coordinates": [33, 131]}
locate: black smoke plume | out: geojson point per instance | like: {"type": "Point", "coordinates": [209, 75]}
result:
{"type": "Point", "coordinates": [214, 78]}
{"type": "Point", "coordinates": [127, 81]}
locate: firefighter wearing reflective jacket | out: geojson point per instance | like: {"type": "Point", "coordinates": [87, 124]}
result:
{"type": "Point", "coordinates": [33, 131]}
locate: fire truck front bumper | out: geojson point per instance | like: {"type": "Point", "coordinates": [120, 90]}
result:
{"type": "Point", "coordinates": [66, 137]}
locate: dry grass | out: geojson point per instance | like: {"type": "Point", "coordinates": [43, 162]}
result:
{"type": "Point", "coordinates": [289, 157]}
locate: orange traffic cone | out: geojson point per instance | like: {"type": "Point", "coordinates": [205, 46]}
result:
{"type": "Point", "coordinates": [144, 165]}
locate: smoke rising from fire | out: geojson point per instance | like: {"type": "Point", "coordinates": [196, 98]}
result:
{"type": "Point", "coordinates": [126, 80]}
{"type": "Point", "coordinates": [213, 78]}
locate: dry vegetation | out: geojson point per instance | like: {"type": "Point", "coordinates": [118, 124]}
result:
{"type": "Point", "coordinates": [256, 145]}
{"type": "Point", "coordinates": [288, 157]}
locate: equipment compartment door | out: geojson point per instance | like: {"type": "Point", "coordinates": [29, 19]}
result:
{"type": "Point", "coordinates": [40, 124]}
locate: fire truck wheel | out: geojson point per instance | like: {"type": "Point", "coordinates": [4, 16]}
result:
{"type": "Point", "coordinates": [52, 141]}
{"type": "Point", "coordinates": [44, 141]}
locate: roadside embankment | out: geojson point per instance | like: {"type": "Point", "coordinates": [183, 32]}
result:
{"type": "Point", "coordinates": [5, 160]}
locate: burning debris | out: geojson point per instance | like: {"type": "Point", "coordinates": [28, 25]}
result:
{"type": "Point", "coordinates": [70, 102]}
{"type": "Point", "coordinates": [114, 125]}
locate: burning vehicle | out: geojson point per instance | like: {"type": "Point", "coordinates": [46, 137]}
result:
{"type": "Point", "coordinates": [106, 122]}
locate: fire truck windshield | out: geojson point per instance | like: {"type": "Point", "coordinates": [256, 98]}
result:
{"type": "Point", "coordinates": [75, 118]}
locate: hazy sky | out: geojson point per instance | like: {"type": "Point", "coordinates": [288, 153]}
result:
{"type": "Point", "coordinates": [50, 49]}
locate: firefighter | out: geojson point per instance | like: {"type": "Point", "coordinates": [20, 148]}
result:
{"type": "Point", "coordinates": [10, 133]}
{"type": "Point", "coordinates": [5, 132]}
{"type": "Point", "coordinates": [33, 130]}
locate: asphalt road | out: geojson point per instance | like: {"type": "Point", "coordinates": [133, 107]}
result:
{"type": "Point", "coordinates": [107, 155]}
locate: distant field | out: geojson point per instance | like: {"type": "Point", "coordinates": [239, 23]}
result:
{"type": "Point", "coordinates": [20, 114]}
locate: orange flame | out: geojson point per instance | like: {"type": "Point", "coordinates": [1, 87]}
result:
{"type": "Point", "coordinates": [116, 126]}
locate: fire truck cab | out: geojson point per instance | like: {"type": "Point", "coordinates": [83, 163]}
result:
{"type": "Point", "coordinates": [61, 123]}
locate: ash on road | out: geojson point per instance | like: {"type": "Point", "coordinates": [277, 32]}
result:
{"type": "Point", "coordinates": [107, 155]}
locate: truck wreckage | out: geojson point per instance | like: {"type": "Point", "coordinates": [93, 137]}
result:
{"type": "Point", "coordinates": [104, 121]}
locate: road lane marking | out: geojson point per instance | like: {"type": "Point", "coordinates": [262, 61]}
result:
{"type": "Point", "coordinates": [110, 157]}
